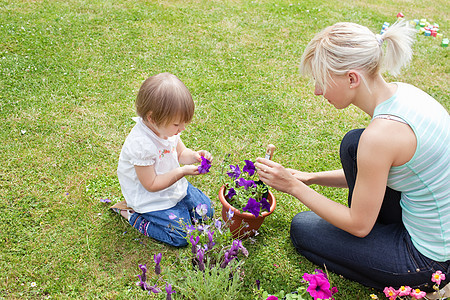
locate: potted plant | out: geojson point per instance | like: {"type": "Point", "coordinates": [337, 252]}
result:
{"type": "Point", "coordinates": [245, 199]}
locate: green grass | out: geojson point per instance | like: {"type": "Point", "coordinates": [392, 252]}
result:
{"type": "Point", "coordinates": [69, 74]}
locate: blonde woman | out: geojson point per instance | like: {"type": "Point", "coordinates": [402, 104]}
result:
{"type": "Point", "coordinates": [396, 228]}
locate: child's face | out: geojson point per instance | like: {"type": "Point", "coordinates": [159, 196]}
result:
{"type": "Point", "coordinates": [165, 131]}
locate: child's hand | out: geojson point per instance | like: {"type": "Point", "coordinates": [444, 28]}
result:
{"type": "Point", "coordinates": [190, 170]}
{"type": "Point", "coordinates": [205, 154]}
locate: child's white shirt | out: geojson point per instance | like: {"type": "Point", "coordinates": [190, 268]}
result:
{"type": "Point", "coordinates": [143, 147]}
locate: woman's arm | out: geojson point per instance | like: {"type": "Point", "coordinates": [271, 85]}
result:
{"type": "Point", "coordinates": [369, 188]}
{"type": "Point", "coordinates": [335, 178]}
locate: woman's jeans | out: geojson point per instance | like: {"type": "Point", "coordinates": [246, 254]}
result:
{"type": "Point", "coordinates": [385, 257]}
{"type": "Point", "coordinates": [160, 226]}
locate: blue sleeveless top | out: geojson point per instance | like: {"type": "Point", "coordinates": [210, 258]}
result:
{"type": "Point", "coordinates": [424, 181]}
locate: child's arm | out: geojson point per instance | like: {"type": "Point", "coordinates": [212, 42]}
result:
{"type": "Point", "coordinates": [187, 156]}
{"type": "Point", "coordinates": [154, 183]}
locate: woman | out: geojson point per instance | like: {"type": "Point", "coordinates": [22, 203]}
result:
{"type": "Point", "coordinates": [396, 228]}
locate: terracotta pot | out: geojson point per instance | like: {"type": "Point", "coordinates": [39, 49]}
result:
{"type": "Point", "coordinates": [238, 229]}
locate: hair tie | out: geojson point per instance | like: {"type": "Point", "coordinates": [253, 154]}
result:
{"type": "Point", "coordinates": [379, 38]}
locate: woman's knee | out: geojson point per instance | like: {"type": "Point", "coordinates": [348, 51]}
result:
{"type": "Point", "coordinates": [349, 144]}
{"type": "Point", "coordinates": [302, 228]}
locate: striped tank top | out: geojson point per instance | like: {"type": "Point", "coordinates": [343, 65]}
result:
{"type": "Point", "coordinates": [424, 181]}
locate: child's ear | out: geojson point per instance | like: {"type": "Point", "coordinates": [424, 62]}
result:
{"type": "Point", "coordinates": [148, 116]}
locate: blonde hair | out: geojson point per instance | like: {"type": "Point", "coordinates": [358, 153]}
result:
{"type": "Point", "coordinates": [348, 46]}
{"type": "Point", "coordinates": [165, 98]}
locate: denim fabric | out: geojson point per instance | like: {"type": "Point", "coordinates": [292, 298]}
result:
{"type": "Point", "coordinates": [385, 257]}
{"type": "Point", "coordinates": [158, 225]}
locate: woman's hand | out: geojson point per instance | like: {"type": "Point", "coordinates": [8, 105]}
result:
{"type": "Point", "coordinates": [301, 176]}
{"type": "Point", "coordinates": [275, 175]}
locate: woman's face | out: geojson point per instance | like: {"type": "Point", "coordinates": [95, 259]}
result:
{"type": "Point", "coordinates": [337, 92]}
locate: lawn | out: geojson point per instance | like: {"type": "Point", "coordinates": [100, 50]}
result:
{"type": "Point", "coordinates": [69, 75]}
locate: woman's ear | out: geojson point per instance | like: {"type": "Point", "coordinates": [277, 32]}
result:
{"type": "Point", "coordinates": [354, 79]}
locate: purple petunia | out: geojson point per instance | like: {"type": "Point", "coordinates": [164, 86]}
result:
{"type": "Point", "coordinates": [246, 183]}
{"type": "Point", "coordinates": [231, 193]}
{"type": "Point", "coordinates": [265, 204]}
{"type": "Point", "coordinates": [105, 200]}
{"type": "Point", "coordinates": [252, 207]}
{"type": "Point", "coordinates": [235, 172]}
{"type": "Point", "coordinates": [204, 166]}
{"type": "Point", "coordinates": [249, 167]}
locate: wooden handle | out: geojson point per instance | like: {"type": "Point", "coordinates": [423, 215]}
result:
{"type": "Point", "coordinates": [269, 151]}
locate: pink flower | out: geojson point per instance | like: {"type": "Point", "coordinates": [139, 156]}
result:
{"type": "Point", "coordinates": [319, 287]}
{"type": "Point", "coordinates": [438, 277]}
{"type": "Point", "coordinates": [390, 292]}
{"type": "Point", "coordinates": [404, 290]}
{"type": "Point", "coordinates": [418, 294]}
{"type": "Point", "coordinates": [271, 297]}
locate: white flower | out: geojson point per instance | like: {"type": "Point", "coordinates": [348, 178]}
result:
{"type": "Point", "coordinates": [33, 284]}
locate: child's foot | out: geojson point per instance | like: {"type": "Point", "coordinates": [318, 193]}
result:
{"type": "Point", "coordinates": [122, 209]}
{"type": "Point", "coordinates": [123, 212]}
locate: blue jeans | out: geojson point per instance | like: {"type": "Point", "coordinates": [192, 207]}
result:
{"type": "Point", "coordinates": [385, 257]}
{"type": "Point", "coordinates": [158, 225]}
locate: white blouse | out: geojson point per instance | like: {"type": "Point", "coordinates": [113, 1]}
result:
{"type": "Point", "coordinates": [143, 147]}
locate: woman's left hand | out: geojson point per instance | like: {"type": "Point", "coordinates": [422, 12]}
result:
{"type": "Point", "coordinates": [275, 175]}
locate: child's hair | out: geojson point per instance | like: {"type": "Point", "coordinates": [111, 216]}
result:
{"type": "Point", "coordinates": [348, 46]}
{"type": "Point", "coordinates": [165, 98]}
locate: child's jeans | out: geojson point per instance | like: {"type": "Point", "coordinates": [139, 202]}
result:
{"type": "Point", "coordinates": [385, 257]}
{"type": "Point", "coordinates": [159, 226]}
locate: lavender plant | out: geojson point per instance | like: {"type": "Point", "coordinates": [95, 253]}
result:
{"type": "Point", "coordinates": [211, 269]}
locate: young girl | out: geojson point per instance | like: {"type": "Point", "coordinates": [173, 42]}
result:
{"type": "Point", "coordinates": [396, 229]}
{"type": "Point", "coordinates": [153, 182]}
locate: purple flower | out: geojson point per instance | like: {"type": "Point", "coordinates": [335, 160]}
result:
{"type": "Point", "coordinates": [230, 213]}
{"type": "Point", "coordinates": [201, 209]}
{"type": "Point", "coordinates": [226, 259]}
{"type": "Point", "coordinates": [210, 240]}
{"type": "Point", "coordinates": [218, 225]}
{"type": "Point", "coordinates": [157, 259]}
{"type": "Point", "coordinates": [153, 288]}
{"type": "Point", "coordinates": [231, 193]}
{"type": "Point", "coordinates": [190, 228]}
{"type": "Point", "coordinates": [105, 200]}
{"type": "Point", "coordinates": [202, 228]}
{"type": "Point", "coordinates": [201, 256]}
{"type": "Point", "coordinates": [194, 242]}
{"type": "Point", "coordinates": [235, 172]}
{"type": "Point", "coordinates": [249, 167]}
{"type": "Point", "coordinates": [172, 216]}
{"type": "Point", "coordinates": [265, 204]}
{"type": "Point", "coordinates": [144, 272]}
{"type": "Point", "coordinates": [258, 284]}
{"type": "Point", "coordinates": [169, 291]}
{"type": "Point", "coordinates": [204, 166]}
{"type": "Point", "coordinates": [142, 283]}
{"type": "Point", "coordinates": [252, 207]}
{"type": "Point", "coordinates": [246, 183]}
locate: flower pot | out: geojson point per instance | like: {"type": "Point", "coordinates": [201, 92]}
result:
{"type": "Point", "coordinates": [251, 223]}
